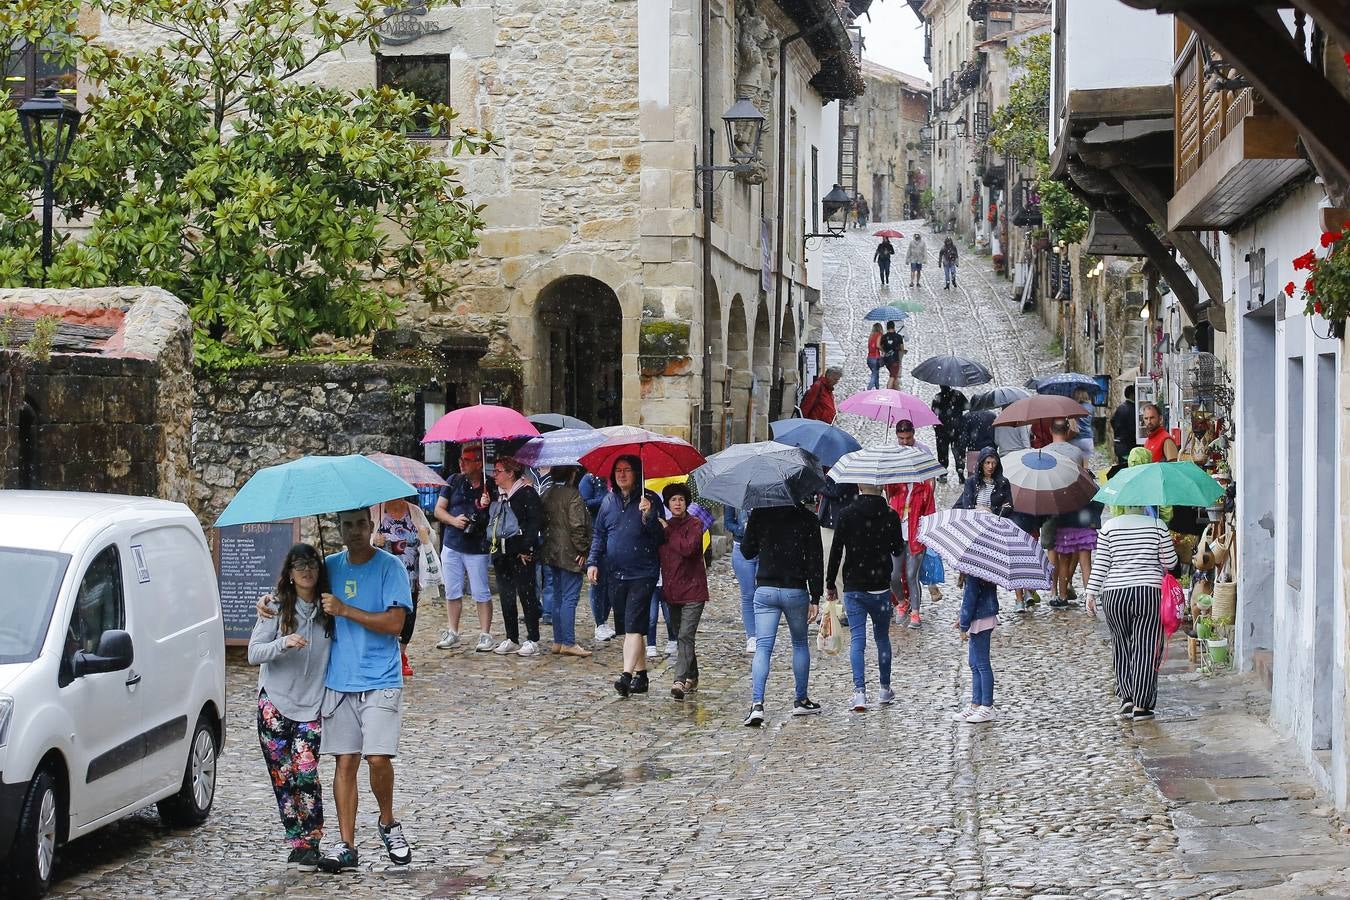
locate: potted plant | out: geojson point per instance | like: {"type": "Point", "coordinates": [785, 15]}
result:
{"type": "Point", "coordinates": [1326, 289]}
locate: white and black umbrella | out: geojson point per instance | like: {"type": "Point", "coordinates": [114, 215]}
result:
{"type": "Point", "coordinates": [1045, 483]}
{"type": "Point", "coordinates": [896, 464]}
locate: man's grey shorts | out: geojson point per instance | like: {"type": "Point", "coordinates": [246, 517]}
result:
{"type": "Point", "coordinates": [367, 723]}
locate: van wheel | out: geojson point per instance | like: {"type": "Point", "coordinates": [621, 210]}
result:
{"type": "Point", "coordinates": [32, 857]}
{"type": "Point", "coordinates": [192, 804]}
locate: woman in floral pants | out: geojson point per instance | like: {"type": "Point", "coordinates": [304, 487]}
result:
{"type": "Point", "coordinates": [291, 641]}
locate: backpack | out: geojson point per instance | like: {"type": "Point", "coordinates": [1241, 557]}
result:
{"type": "Point", "coordinates": [891, 342]}
{"type": "Point", "coordinates": [502, 525]}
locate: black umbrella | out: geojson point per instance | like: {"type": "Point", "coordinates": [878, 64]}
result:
{"type": "Point", "coordinates": [558, 421]}
{"type": "Point", "coordinates": [998, 398]}
{"type": "Point", "coordinates": [766, 473]}
{"type": "Point", "coordinates": [953, 371]}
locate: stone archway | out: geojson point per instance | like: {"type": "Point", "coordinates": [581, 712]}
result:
{"type": "Point", "coordinates": [578, 318]}
{"type": "Point", "coordinates": [761, 365]}
{"type": "Point", "coordinates": [787, 357]}
{"type": "Point", "coordinates": [714, 365]}
{"type": "Point", "coordinates": [738, 365]}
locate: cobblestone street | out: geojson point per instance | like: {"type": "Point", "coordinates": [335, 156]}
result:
{"type": "Point", "coordinates": [531, 778]}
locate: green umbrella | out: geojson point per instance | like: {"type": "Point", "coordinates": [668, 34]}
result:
{"type": "Point", "coordinates": [1161, 484]}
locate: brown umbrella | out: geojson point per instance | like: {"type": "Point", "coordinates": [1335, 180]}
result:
{"type": "Point", "coordinates": [1042, 406]}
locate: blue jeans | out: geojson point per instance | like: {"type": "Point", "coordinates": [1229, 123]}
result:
{"type": "Point", "coordinates": [859, 606]}
{"type": "Point", "coordinates": [600, 598]}
{"type": "Point", "coordinates": [546, 595]}
{"type": "Point", "coordinates": [659, 607]}
{"type": "Point", "coordinates": [949, 275]}
{"type": "Point", "coordinates": [874, 378]}
{"type": "Point", "coordinates": [564, 592]}
{"type": "Point", "coordinates": [771, 604]}
{"type": "Point", "coordinates": [745, 570]}
{"type": "Point", "coordinates": [981, 672]}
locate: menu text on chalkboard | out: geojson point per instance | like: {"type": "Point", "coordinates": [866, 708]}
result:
{"type": "Point", "coordinates": [248, 561]}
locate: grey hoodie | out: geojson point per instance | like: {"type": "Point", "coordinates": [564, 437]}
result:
{"type": "Point", "coordinates": [292, 678]}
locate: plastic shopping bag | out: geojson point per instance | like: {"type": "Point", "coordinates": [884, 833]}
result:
{"type": "Point", "coordinates": [932, 571]}
{"type": "Point", "coordinates": [830, 639]}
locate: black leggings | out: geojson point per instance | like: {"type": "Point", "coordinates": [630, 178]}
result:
{"type": "Point", "coordinates": [410, 620]}
{"type": "Point", "coordinates": [515, 579]}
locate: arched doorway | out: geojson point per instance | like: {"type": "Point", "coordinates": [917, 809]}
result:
{"type": "Point", "coordinates": [787, 357]}
{"type": "Point", "coordinates": [738, 371]}
{"type": "Point", "coordinates": [762, 367]}
{"type": "Point", "coordinates": [714, 369]}
{"type": "Point", "coordinates": [580, 329]}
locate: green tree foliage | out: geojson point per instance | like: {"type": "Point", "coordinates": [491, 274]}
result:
{"type": "Point", "coordinates": [278, 209]}
{"type": "Point", "coordinates": [1020, 129]}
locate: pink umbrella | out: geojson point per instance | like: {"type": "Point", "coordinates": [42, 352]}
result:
{"type": "Point", "coordinates": [662, 455]}
{"type": "Point", "coordinates": [889, 406]}
{"type": "Point", "coordinates": [481, 422]}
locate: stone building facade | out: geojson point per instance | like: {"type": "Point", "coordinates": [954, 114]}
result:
{"type": "Point", "coordinates": [892, 163]}
{"type": "Point", "coordinates": [608, 283]}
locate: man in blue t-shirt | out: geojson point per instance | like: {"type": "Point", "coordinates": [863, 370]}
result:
{"type": "Point", "coordinates": [362, 707]}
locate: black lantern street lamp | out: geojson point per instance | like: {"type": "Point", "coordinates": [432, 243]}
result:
{"type": "Point", "coordinates": [835, 206]}
{"type": "Point", "coordinates": [745, 131]}
{"type": "Point", "coordinates": [49, 126]}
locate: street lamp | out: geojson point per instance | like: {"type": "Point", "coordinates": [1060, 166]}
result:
{"type": "Point", "coordinates": [49, 127]}
{"type": "Point", "coordinates": [745, 130]}
{"type": "Point", "coordinates": [836, 203]}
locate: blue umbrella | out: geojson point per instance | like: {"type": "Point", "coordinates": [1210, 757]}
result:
{"type": "Point", "coordinates": [825, 442]}
{"type": "Point", "coordinates": [563, 447]}
{"type": "Point", "coordinates": [312, 486]}
{"type": "Point", "coordinates": [886, 314]}
{"type": "Point", "coordinates": [1064, 384]}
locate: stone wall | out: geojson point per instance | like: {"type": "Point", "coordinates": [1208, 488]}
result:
{"type": "Point", "coordinates": [889, 116]}
{"type": "Point", "coordinates": [107, 410]}
{"type": "Point", "coordinates": [262, 416]}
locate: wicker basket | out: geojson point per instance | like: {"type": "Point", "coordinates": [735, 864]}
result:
{"type": "Point", "coordinates": [1225, 601]}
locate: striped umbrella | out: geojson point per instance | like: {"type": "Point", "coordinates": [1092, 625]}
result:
{"type": "Point", "coordinates": [890, 407]}
{"type": "Point", "coordinates": [563, 447]}
{"type": "Point", "coordinates": [879, 466]}
{"type": "Point", "coordinates": [416, 473]}
{"type": "Point", "coordinates": [1045, 483]}
{"type": "Point", "coordinates": [987, 546]}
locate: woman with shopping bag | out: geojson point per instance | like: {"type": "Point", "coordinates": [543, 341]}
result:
{"type": "Point", "coordinates": [401, 528]}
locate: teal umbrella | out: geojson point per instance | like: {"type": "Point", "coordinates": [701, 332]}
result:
{"type": "Point", "coordinates": [312, 486]}
{"type": "Point", "coordinates": [1161, 484]}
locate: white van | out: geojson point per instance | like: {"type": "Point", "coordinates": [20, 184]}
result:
{"type": "Point", "coordinates": [112, 671]}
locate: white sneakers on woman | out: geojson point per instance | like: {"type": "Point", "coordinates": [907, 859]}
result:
{"type": "Point", "coordinates": [974, 715]}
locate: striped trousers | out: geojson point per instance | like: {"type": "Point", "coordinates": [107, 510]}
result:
{"type": "Point", "coordinates": [1136, 642]}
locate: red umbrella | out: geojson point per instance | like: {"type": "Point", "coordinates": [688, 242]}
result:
{"type": "Point", "coordinates": [662, 456]}
{"type": "Point", "coordinates": [481, 422]}
{"type": "Point", "coordinates": [888, 232]}
{"type": "Point", "coordinates": [1042, 406]}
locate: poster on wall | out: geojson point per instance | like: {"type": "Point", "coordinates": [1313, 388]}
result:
{"type": "Point", "coordinates": [248, 560]}
{"type": "Point", "coordinates": [1144, 392]}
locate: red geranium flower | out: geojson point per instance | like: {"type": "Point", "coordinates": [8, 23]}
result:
{"type": "Point", "coordinates": [1330, 237]}
{"type": "Point", "coordinates": [1306, 261]}
{"type": "Point", "coordinates": [1317, 308]}
{"type": "Point", "coordinates": [1309, 287]}
{"type": "Point", "coordinates": [1289, 289]}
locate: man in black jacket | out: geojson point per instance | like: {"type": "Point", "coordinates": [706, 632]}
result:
{"type": "Point", "coordinates": [789, 582]}
{"type": "Point", "coordinates": [950, 406]}
{"type": "Point", "coordinates": [866, 536]}
{"type": "Point", "coordinates": [1124, 427]}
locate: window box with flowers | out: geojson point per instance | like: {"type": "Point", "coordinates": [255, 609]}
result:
{"type": "Point", "coordinates": [1326, 287]}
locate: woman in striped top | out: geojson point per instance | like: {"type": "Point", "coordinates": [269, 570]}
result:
{"type": "Point", "coordinates": [1132, 553]}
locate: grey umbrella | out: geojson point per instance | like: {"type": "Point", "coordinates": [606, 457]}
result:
{"type": "Point", "coordinates": [953, 371]}
{"type": "Point", "coordinates": [557, 421]}
{"type": "Point", "coordinates": [998, 398]}
{"type": "Point", "coordinates": [766, 473]}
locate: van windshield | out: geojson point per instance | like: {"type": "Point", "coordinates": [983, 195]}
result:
{"type": "Point", "coordinates": [29, 581]}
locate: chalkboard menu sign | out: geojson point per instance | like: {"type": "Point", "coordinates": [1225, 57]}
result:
{"type": "Point", "coordinates": [248, 560]}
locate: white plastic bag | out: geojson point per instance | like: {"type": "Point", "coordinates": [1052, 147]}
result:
{"type": "Point", "coordinates": [830, 639]}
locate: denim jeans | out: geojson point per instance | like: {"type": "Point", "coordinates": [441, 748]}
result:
{"type": "Point", "coordinates": [861, 606]}
{"type": "Point", "coordinates": [771, 604]}
{"type": "Point", "coordinates": [745, 570]}
{"type": "Point", "coordinates": [905, 577]}
{"type": "Point", "coordinates": [659, 607]}
{"type": "Point", "coordinates": [874, 376]}
{"type": "Point", "coordinates": [981, 672]}
{"type": "Point", "coordinates": [546, 596]}
{"type": "Point", "coordinates": [949, 275]}
{"type": "Point", "coordinates": [600, 598]}
{"type": "Point", "coordinates": [565, 588]}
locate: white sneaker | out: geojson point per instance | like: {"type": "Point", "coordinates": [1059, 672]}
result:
{"type": "Point", "coordinates": [671, 648]}
{"type": "Point", "coordinates": [529, 648]}
{"type": "Point", "coordinates": [859, 701]}
{"type": "Point", "coordinates": [981, 714]}
{"type": "Point", "coordinates": [448, 639]}
{"type": "Point", "coordinates": [604, 631]}
{"type": "Point", "coordinates": [506, 646]}
{"type": "Point", "coordinates": [887, 697]}
{"type": "Point", "coordinates": [964, 713]}
{"type": "Point", "coordinates": [651, 653]}
{"type": "Point", "coordinates": [484, 644]}
{"type": "Point", "coordinates": [750, 645]}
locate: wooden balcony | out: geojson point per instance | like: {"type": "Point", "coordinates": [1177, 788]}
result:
{"type": "Point", "coordinates": [1232, 150]}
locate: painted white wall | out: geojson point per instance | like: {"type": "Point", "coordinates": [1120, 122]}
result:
{"type": "Point", "coordinates": [1111, 45]}
{"type": "Point", "coordinates": [654, 51]}
{"type": "Point", "coordinates": [826, 139]}
{"type": "Point", "coordinates": [1309, 633]}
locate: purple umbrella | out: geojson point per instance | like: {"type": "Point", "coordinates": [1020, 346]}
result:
{"type": "Point", "coordinates": [987, 546]}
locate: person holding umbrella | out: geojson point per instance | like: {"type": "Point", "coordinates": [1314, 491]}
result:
{"type": "Point", "coordinates": [911, 502]}
{"type": "Point", "coordinates": [401, 528]}
{"type": "Point", "coordinates": [892, 354]}
{"type": "Point", "coordinates": [950, 406]}
{"type": "Point", "coordinates": [567, 539]}
{"type": "Point", "coordinates": [463, 511]}
{"type": "Point", "coordinates": [882, 257]}
{"type": "Point", "coordinates": [989, 489]}
{"type": "Point", "coordinates": [684, 582]}
{"type": "Point", "coordinates": [625, 541]}
{"type": "Point", "coordinates": [874, 357]}
{"type": "Point", "coordinates": [512, 545]}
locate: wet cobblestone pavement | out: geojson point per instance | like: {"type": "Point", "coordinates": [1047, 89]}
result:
{"type": "Point", "coordinates": [531, 778]}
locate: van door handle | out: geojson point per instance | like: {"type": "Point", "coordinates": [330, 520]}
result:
{"type": "Point", "coordinates": [133, 678]}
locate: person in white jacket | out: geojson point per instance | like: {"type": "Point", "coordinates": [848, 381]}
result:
{"type": "Point", "coordinates": [915, 254]}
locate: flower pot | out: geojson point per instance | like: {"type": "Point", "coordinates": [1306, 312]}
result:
{"type": "Point", "coordinates": [1215, 513]}
{"type": "Point", "coordinates": [1218, 652]}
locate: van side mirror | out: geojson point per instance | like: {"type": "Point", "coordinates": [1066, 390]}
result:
{"type": "Point", "coordinates": [114, 654]}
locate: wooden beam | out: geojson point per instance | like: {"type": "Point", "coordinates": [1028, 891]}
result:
{"type": "Point", "coordinates": [1154, 205]}
{"type": "Point", "coordinates": [1177, 279]}
{"type": "Point", "coordinates": [1333, 16]}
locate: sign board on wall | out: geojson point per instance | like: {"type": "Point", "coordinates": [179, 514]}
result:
{"type": "Point", "coordinates": [1144, 392]}
{"type": "Point", "coordinates": [248, 561]}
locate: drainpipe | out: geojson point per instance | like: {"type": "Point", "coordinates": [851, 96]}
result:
{"type": "Point", "coordinates": [775, 389]}
{"type": "Point", "coordinates": [705, 430]}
